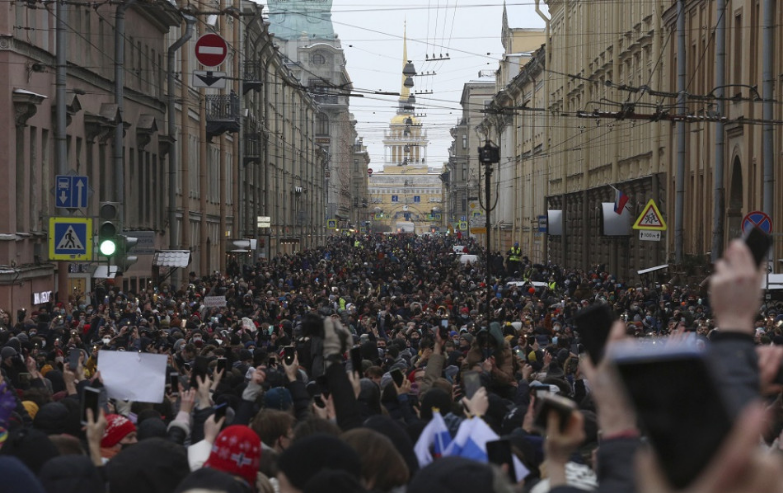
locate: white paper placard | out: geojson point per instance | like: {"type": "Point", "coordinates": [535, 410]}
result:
{"type": "Point", "coordinates": [133, 376]}
{"type": "Point", "coordinates": [215, 301]}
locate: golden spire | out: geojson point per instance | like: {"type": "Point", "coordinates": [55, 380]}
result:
{"type": "Point", "coordinates": [404, 91]}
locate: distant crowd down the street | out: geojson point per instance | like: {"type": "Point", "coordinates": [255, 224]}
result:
{"type": "Point", "coordinates": [393, 363]}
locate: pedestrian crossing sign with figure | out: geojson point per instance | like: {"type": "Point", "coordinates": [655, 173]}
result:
{"type": "Point", "coordinates": [70, 238]}
{"type": "Point", "coordinates": [650, 219]}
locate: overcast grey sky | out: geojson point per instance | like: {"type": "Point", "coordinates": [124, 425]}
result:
{"type": "Point", "coordinates": [468, 30]}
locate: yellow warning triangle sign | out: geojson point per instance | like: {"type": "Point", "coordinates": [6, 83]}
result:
{"type": "Point", "coordinates": [651, 218]}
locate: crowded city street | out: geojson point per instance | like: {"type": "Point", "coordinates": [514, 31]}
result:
{"type": "Point", "coordinates": [373, 364]}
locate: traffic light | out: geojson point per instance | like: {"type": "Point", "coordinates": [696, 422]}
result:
{"type": "Point", "coordinates": [123, 259]}
{"type": "Point", "coordinates": [109, 228]}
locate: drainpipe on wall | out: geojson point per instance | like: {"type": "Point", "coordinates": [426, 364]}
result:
{"type": "Point", "coordinates": [172, 131]}
{"type": "Point", "coordinates": [119, 96]}
{"type": "Point", "coordinates": [60, 147]}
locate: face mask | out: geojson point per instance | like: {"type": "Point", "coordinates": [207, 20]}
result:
{"type": "Point", "coordinates": [106, 341]}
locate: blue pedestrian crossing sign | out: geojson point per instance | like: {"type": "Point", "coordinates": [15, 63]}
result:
{"type": "Point", "coordinates": [70, 238]}
{"type": "Point", "coordinates": [331, 224]}
{"type": "Point", "coordinates": [71, 192]}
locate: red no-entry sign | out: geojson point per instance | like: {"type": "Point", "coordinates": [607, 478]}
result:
{"type": "Point", "coordinates": [211, 50]}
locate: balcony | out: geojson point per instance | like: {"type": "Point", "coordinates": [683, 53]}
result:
{"type": "Point", "coordinates": [252, 143]}
{"type": "Point", "coordinates": [222, 114]}
{"type": "Point", "coordinates": [251, 76]}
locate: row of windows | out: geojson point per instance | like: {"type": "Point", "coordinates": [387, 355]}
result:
{"type": "Point", "coordinates": [379, 191]}
{"type": "Point", "coordinates": [416, 198]}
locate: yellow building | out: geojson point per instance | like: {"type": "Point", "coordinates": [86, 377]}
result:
{"type": "Point", "coordinates": [408, 194]}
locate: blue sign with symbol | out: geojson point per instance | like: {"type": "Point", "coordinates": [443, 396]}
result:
{"type": "Point", "coordinates": [71, 191]}
{"type": "Point", "coordinates": [70, 238]}
{"type": "Point", "coordinates": [757, 218]}
{"type": "Point", "coordinates": [542, 224]}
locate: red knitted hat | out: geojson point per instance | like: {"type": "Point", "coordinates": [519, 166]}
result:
{"type": "Point", "coordinates": [117, 428]}
{"type": "Point", "coordinates": [237, 451]}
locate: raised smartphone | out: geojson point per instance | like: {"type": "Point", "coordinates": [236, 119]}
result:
{"type": "Point", "coordinates": [759, 243]}
{"type": "Point", "coordinates": [678, 404]}
{"type": "Point", "coordinates": [471, 382]}
{"type": "Point", "coordinates": [90, 400]}
{"type": "Point", "coordinates": [551, 402]}
{"type": "Point", "coordinates": [499, 453]}
{"type": "Point", "coordinates": [593, 324]}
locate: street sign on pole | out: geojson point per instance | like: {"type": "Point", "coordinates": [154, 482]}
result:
{"type": "Point", "coordinates": [757, 218]}
{"type": "Point", "coordinates": [264, 221]}
{"type": "Point", "coordinates": [71, 192]}
{"type": "Point", "coordinates": [649, 235]}
{"type": "Point", "coordinates": [651, 218]}
{"type": "Point", "coordinates": [70, 238]}
{"type": "Point", "coordinates": [209, 79]}
{"type": "Point", "coordinates": [542, 224]}
{"type": "Point", "coordinates": [211, 50]}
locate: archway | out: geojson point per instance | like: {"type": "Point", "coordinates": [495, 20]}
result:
{"type": "Point", "coordinates": [736, 199]}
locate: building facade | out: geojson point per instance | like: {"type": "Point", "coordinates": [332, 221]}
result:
{"type": "Point", "coordinates": [514, 88]}
{"type": "Point", "coordinates": [238, 153]}
{"type": "Point", "coordinates": [315, 56]}
{"type": "Point", "coordinates": [465, 176]}
{"type": "Point", "coordinates": [407, 196]}
{"type": "Point", "coordinates": [595, 111]}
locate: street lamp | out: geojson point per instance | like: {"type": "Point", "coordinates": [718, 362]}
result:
{"type": "Point", "coordinates": [488, 155]}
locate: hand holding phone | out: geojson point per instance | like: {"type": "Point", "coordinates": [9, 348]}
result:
{"type": "Point", "coordinates": [90, 400]}
{"type": "Point", "coordinates": [679, 404]}
{"type": "Point", "coordinates": [289, 355]}
{"type": "Point", "coordinates": [397, 377]}
{"type": "Point", "coordinates": [499, 453]}
{"type": "Point", "coordinates": [220, 411]}
{"type": "Point", "coordinates": [174, 383]}
{"type": "Point", "coordinates": [73, 359]}
{"type": "Point", "coordinates": [471, 382]}
{"type": "Point", "coordinates": [759, 244]}
{"type": "Point", "coordinates": [549, 403]}
{"type": "Point", "coordinates": [356, 360]}
{"type": "Point", "coordinates": [594, 324]}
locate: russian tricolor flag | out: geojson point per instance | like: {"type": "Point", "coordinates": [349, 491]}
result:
{"type": "Point", "coordinates": [620, 199]}
{"type": "Point", "coordinates": [471, 443]}
{"type": "Point", "coordinates": [435, 436]}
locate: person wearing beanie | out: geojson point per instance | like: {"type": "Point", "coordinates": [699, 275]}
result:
{"type": "Point", "coordinates": [205, 479]}
{"type": "Point", "coordinates": [454, 475]}
{"type": "Point", "coordinates": [152, 466]}
{"type": "Point", "coordinates": [278, 398]}
{"type": "Point", "coordinates": [120, 433]}
{"type": "Point", "coordinates": [308, 456]}
{"type": "Point", "coordinates": [54, 418]}
{"type": "Point", "coordinates": [71, 474]}
{"type": "Point", "coordinates": [31, 408]}
{"type": "Point", "coordinates": [17, 478]}
{"type": "Point", "coordinates": [30, 446]}
{"type": "Point", "coordinates": [236, 451]}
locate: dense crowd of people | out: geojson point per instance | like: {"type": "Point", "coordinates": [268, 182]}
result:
{"type": "Point", "coordinates": [266, 396]}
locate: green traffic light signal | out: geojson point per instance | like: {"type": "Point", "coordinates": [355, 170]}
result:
{"type": "Point", "coordinates": [107, 247]}
{"type": "Point", "coordinates": [109, 213]}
